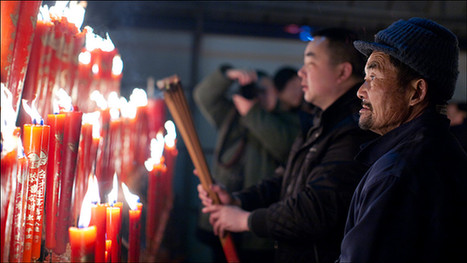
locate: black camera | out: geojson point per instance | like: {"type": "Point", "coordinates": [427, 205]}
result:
{"type": "Point", "coordinates": [249, 91]}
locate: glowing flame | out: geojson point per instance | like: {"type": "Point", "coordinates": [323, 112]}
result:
{"type": "Point", "coordinates": [93, 119]}
{"type": "Point", "coordinates": [139, 97]}
{"type": "Point", "coordinates": [117, 65]}
{"type": "Point", "coordinates": [32, 112]}
{"type": "Point", "coordinates": [114, 105]}
{"type": "Point", "coordinates": [75, 13]}
{"type": "Point", "coordinates": [99, 99]}
{"type": "Point", "coordinates": [107, 44]}
{"type": "Point", "coordinates": [8, 115]}
{"type": "Point", "coordinates": [113, 195]}
{"type": "Point", "coordinates": [84, 57]}
{"type": "Point", "coordinates": [91, 196]}
{"type": "Point", "coordinates": [43, 14]}
{"type": "Point", "coordinates": [157, 148]}
{"type": "Point", "coordinates": [127, 109]}
{"type": "Point", "coordinates": [62, 101]}
{"type": "Point", "coordinates": [130, 198]}
{"type": "Point", "coordinates": [58, 10]}
{"type": "Point", "coordinates": [171, 135]}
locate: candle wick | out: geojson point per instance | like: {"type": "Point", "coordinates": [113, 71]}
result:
{"type": "Point", "coordinates": [34, 122]}
{"type": "Point", "coordinates": [42, 121]}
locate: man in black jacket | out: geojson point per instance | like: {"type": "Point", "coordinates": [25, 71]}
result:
{"type": "Point", "coordinates": [305, 206]}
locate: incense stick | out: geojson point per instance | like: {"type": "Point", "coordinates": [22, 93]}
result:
{"type": "Point", "coordinates": [177, 104]}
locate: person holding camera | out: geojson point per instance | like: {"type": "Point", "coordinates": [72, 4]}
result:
{"type": "Point", "coordinates": [255, 133]}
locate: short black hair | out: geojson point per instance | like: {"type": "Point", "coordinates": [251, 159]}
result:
{"type": "Point", "coordinates": [282, 76]}
{"type": "Point", "coordinates": [342, 48]}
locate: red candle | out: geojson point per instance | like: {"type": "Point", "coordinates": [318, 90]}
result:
{"type": "Point", "coordinates": [35, 141]}
{"type": "Point", "coordinates": [156, 116]}
{"type": "Point", "coordinates": [108, 249]}
{"type": "Point", "coordinates": [83, 242]}
{"type": "Point", "coordinates": [134, 235]}
{"type": "Point", "coordinates": [103, 176]}
{"type": "Point", "coordinates": [17, 233]}
{"type": "Point", "coordinates": [70, 141]}
{"type": "Point", "coordinates": [83, 169]}
{"type": "Point", "coordinates": [154, 201]}
{"type": "Point", "coordinates": [8, 184]}
{"type": "Point", "coordinates": [113, 225]}
{"type": "Point", "coordinates": [56, 122]}
{"type": "Point", "coordinates": [26, 25]}
{"type": "Point", "coordinates": [9, 17]}
{"type": "Point", "coordinates": [170, 155]}
{"type": "Point", "coordinates": [98, 219]}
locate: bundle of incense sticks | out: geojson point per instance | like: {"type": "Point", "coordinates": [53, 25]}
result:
{"type": "Point", "coordinates": [178, 107]}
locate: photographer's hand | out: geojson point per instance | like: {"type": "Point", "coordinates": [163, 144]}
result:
{"type": "Point", "coordinates": [244, 77]}
{"type": "Point", "coordinates": [242, 104]}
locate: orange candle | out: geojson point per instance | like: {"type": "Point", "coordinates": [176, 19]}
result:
{"type": "Point", "coordinates": [98, 219]}
{"type": "Point", "coordinates": [35, 141]}
{"type": "Point", "coordinates": [83, 242]}
{"type": "Point", "coordinates": [113, 229]}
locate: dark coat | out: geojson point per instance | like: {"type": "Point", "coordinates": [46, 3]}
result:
{"type": "Point", "coordinates": [305, 208]}
{"type": "Point", "coordinates": [411, 206]}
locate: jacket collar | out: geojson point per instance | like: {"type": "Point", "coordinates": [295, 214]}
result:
{"type": "Point", "coordinates": [373, 150]}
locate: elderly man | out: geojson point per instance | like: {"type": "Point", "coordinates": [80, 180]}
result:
{"type": "Point", "coordinates": [411, 205]}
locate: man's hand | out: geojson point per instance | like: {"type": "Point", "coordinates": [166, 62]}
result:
{"type": "Point", "coordinates": [244, 77]}
{"type": "Point", "coordinates": [227, 218]}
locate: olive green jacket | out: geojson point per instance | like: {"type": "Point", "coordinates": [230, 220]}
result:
{"type": "Point", "coordinates": [249, 148]}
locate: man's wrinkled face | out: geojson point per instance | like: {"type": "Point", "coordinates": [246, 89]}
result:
{"type": "Point", "coordinates": [385, 104]}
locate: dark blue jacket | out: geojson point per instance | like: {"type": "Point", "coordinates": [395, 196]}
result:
{"type": "Point", "coordinates": [411, 205]}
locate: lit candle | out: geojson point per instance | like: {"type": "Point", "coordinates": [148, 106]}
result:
{"type": "Point", "coordinates": [36, 146]}
{"type": "Point", "coordinates": [56, 122]}
{"type": "Point", "coordinates": [135, 224]}
{"type": "Point", "coordinates": [71, 136]}
{"type": "Point", "coordinates": [156, 168]}
{"type": "Point", "coordinates": [83, 238]}
{"type": "Point", "coordinates": [98, 218]}
{"type": "Point", "coordinates": [108, 249]}
{"type": "Point", "coordinates": [114, 222]}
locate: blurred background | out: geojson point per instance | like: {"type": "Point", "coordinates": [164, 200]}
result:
{"type": "Point", "coordinates": [157, 39]}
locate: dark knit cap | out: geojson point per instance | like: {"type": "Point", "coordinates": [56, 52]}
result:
{"type": "Point", "coordinates": [427, 47]}
{"type": "Point", "coordinates": [282, 76]}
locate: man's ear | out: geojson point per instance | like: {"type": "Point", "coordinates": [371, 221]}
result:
{"type": "Point", "coordinates": [418, 91]}
{"type": "Point", "coordinates": [345, 71]}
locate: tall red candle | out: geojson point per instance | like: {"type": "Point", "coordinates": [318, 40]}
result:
{"type": "Point", "coordinates": [56, 122]}
{"type": "Point", "coordinates": [70, 141]}
{"type": "Point", "coordinates": [9, 17]}
{"type": "Point", "coordinates": [154, 201]}
{"type": "Point", "coordinates": [26, 25]}
{"type": "Point", "coordinates": [83, 169]}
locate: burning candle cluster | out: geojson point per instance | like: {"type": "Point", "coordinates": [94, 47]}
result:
{"type": "Point", "coordinates": [61, 176]}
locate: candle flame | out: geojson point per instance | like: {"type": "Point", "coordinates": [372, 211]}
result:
{"type": "Point", "coordinates": [62, 101]}
{"type": "Point", "coordinates": [75, 13]}
{"type": "Point", "coordinates": [85, 214]}
{"type": "Point", "coordinates": [93, 119]}
{"type": "Point", "coordinates": [32, 112]}
{"type": "Point", "coordinates": [130, 198]}
{"type": "Point", "coordinates": [171, 134]}
{"type": "Point", "coordinates": [99, 99]}
{"type": "Point", "coordinates": [157, 148]}
{"type": "Point", "coordinates": [117, 65]}
{"type": "Point", "coordinates": [139, 97]}
{"type": "Point", "coordinates": [113, 195]}
{"type": "Point", "coordinates": [58, 10]}
{"type": "Point", "coordinates": [8, 115]}
{"type": "Point", "coordinates": [84, 57]}
{"type": "Point", "coordinates": [44, 14]}
{"type": "Point", "coordinates": [107, 44]}
{"type": "Point", "coordinates": [114, 105]}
